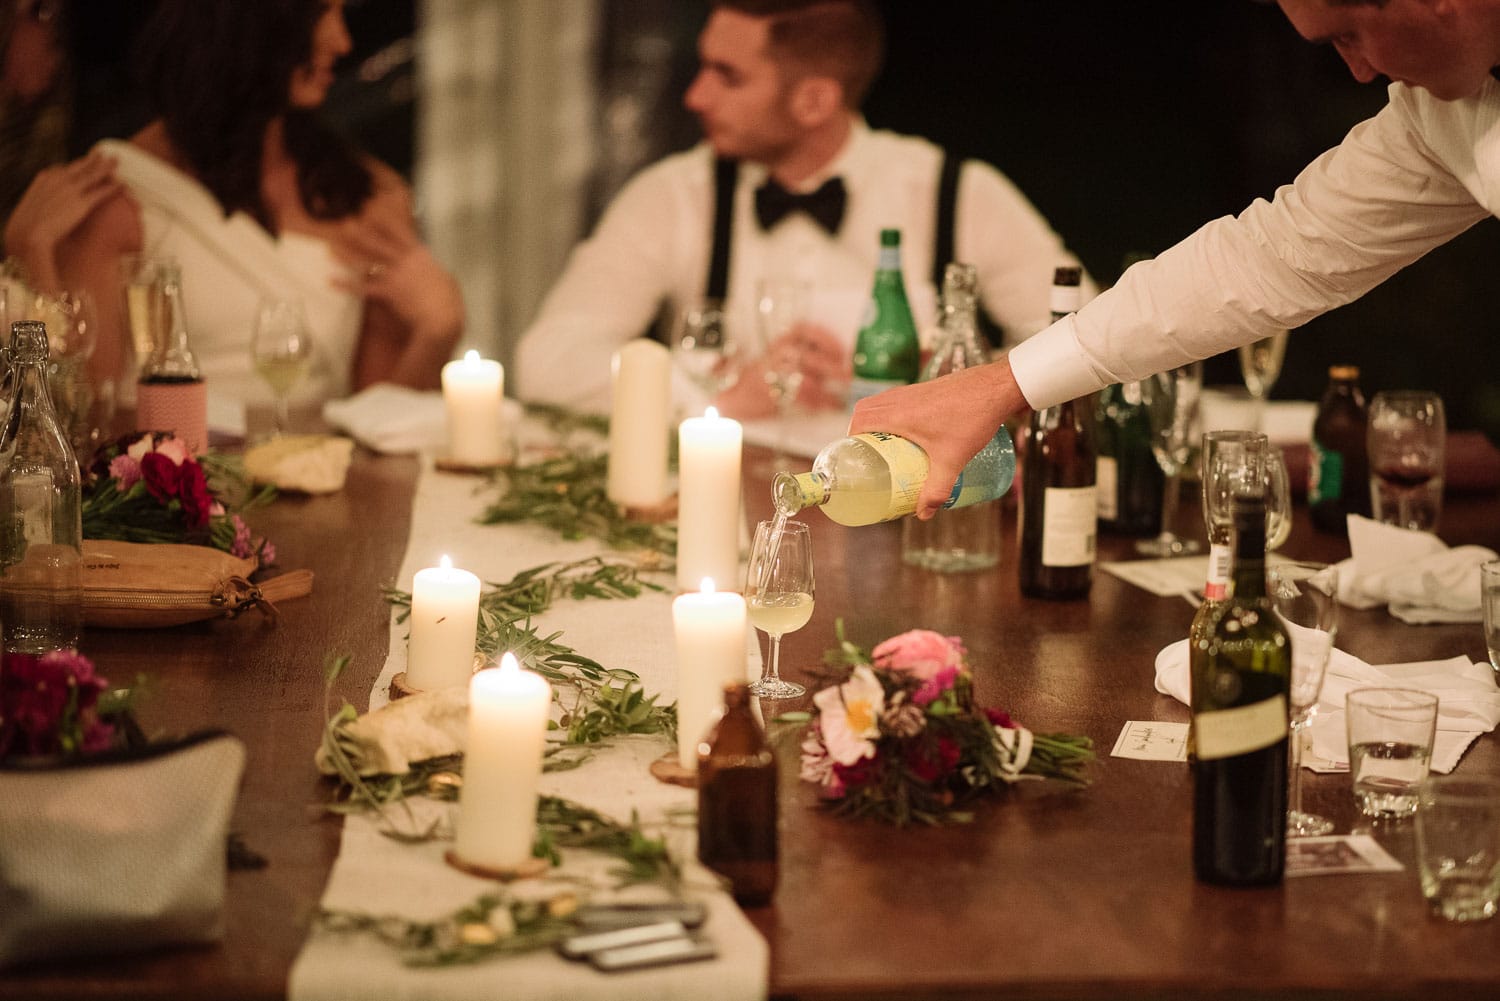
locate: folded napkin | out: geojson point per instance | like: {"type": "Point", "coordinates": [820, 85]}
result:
{"type": "Point", "coordinates": [391, 419]}
{"type": "Point", "coordinates": [1415, 573]}
{"type": "Point", "coordinates": [1468, 700]}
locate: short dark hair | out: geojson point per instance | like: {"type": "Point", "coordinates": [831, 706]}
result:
{"type": "Point", "coordinates": [843, 39]}
{"type": "Point", "coordinates": [217, 72]}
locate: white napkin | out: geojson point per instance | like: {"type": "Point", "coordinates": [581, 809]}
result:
{"type": "Point", "coordinates": [391, 419]}
{"type": "Point", "coordinates": [1415, 573]}
{"type": "Point", "coordinates": [1468, 701]}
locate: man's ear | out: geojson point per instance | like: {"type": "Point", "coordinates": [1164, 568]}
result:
{"type": "Point", "coordinates": [816, 99]}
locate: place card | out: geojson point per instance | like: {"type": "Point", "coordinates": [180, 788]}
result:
{"type": "Point", "coordinates": [1337, 853]}
{"type": "Point", "coordinates": [1152, 740]}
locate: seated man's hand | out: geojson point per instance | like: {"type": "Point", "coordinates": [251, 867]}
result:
{"type": "Point", "coordinates": [807, 360]}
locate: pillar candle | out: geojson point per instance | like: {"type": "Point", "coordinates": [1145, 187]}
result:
{"type": "Point", "coordinates": [473, 391]}
{"type": "Point", "coordinates": [708, 500]}
{"type": "Point", "coordinates": [639, 424]}
{"type": "Point", "coordinates": [710, 628]}
{"type": "Point", "coordinates": [444, 618]}
{"type": "Point", "coordinates": [502, 766]}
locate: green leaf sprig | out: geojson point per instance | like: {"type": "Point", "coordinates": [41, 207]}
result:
{"type": "Point", "coordinates": [566, 493]}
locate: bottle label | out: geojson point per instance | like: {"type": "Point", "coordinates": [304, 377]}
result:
{"type": "Point", "coordinates": [1325, 474]}
{"type": "Point", "coordinates": [1220, 559]}
{"type": "Point", "coordinates": [890, 259]}
{"type": "Point", "coordinates": [1227, 733]}
{"type": "Point", "coordinates": [1069, 524]}
{"type": "Point", "coordinates": [907, 464]}
{"type": "Point", "coordinates": [1106, 479]}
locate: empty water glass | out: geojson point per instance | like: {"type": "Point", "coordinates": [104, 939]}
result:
{"type": "Point", "coordinates": [1458, 846]}
{"type": "Point", "coordinates": [1390, 747]}
{"type": "Point", "coordinates": [1489, 600]}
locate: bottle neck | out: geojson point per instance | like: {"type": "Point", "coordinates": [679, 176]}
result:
{"type": "Point", "coordinates": [174, 357]}
{"type": "Point", "coordinates": [889, 263]}
{"type": "Point", "coordinates": [1250, 553]}
{"type": "Point", "coordinates": [792, 493]}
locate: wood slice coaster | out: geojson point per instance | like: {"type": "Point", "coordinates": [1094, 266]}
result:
{"type": "Point", "coordinates": [667, 769]}
{"type": "Point", "coordinates": [446, 465]}
{"type": "Point", "coordinates": [655, 515]}
{"type": "Point", "coordinates": [400, 689]}
{"type": "Point", "coordinates": [529, 869]}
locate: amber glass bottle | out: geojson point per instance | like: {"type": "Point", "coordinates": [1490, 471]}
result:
{"type": "Point", "coordinates": [737, 801]}
{"type": "Point", "coordinates": [1338, 473]}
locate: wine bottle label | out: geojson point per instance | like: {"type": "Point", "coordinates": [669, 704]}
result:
{"type": "Point", "coordinates": [1069, 524]}
{"type": "Point", "coordinates": [1226, 733]}
{"type": "Point", "coordinates": [1220, 559]}
{"type": "Point", "coordinates": [1107, 479]}
{"type": "Point", "coordinates": [1325, 474]}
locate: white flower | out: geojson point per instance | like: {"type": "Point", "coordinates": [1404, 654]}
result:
{"type": "Point", "coordinates": [1014, 747]}
{"type": "Point", "coordinates": [849, 716]}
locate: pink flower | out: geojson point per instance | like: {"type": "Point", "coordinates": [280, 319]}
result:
{"type": "Point", "coordinates": [933, 688]}
{"type": "Point", "coordinates": [922, 652]}
{"type": "Point", "coordinates": [126, 471]}
{"type": "Point", "coordinates": [267, 552]}
{"type": "Point", "coordinates": [173, 449]}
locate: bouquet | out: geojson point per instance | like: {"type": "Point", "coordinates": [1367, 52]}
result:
{"type": "Point", "coordinates": [897, 735]}
{"type": "Point", "coordinates": [145, 487]}
{"type": "Point", "coordinates": [54, 704]}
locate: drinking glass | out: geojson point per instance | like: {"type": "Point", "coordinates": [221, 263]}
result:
{"type": "Point", "coordinates": [779, 595]}
{"type": "Point", "coordinates": [1407, 432]}
{"type": "Point", "coordinates": [1305, 597]}
{"type": "Point", "coordinates": [1241, 462]}
{"type": "Point", "coordinates": [703, 347]}
{"type": "Point", "coordinates": [1260, 364]}
{"type": "Point", "coordinates": [1458, 846]}
{"type": "Point", "coordinates": [780, 305]}
{"type": "Point", "coordinates": [1489, 600]}
{"type": "Point", "coordinates": [140, 281]}
{"type": "Point", "coordinates": [1390, 747]}
{"type": "Point", "coordinates": [281, 349]}
{"type": "Point", "coordinates": [1171, 400]}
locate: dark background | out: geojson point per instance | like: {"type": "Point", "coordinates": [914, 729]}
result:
{"type": "Point", "coordinates": [1128, 125]}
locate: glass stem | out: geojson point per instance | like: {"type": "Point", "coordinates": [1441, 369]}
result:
{"type": "Point", "coordinates": [1294, 788]}
{"type": "Point", "coordinates": [773, 671]}
{"type": "Point", "coordinates": [1170, 494]}
{"type": "Point", "coordinates": [279, 414]}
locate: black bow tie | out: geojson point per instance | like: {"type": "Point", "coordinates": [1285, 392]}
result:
{"type": "Point", "coordinates": [826, 205]}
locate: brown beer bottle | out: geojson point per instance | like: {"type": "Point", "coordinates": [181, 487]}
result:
{"type": "Point", "coordinates": [1338, 472]}
{"type": "Point", "coordinates": [737, 801]}
{"type": "Point", "coordinates": [1059, 511]}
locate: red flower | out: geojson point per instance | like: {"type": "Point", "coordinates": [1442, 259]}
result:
{"type": "Point", "coordinates": [163, 476]}
{"type": "Point", "coordinates": [193, 489]}
{"type": "Point", "coordinates": [933, 761]}
{"type": "Point", "coordinates": [860, 773]}
{"type": "Point", "coordinates": [1000, 718]}
{"type": "Point", "coordinates": [47, 704]}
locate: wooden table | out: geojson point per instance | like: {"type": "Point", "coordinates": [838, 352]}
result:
{"type": "Point", "coordinates": [1048, 894]}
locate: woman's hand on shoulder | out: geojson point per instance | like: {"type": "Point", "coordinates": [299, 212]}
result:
{"type": "Point", "coordinates": [55, 206]}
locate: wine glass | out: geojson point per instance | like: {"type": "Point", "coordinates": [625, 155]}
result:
{"type": "Point", "coordinates": [1241, 462]}
{"type": "Point", "coordinates": [779, 595]}
{"type": "Point", "coordinates": [281, 349]}
{"type": "Point", "coordinates": [704, 349]}
{"type": "Point", "coordinates": [1171, 400]}
{"type": "Point", "coordinates": [1405, 444]}
{"type": "Point", "coordinates": [781, 304]}
{"type": "Point", "coordinates": [1260, 364]}
{"type": "Point", "coordinates": [1305, 597]}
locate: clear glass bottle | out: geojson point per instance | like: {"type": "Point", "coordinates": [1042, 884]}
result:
{"type": "Point", "coordinates": [737, 801]}
{"type": "Point", "coordinates": [877, 476]}
{"type": "Point", "coordinates": [967, 538]}
{"type": "Point", "coordinates": [1338, 471]}
{"type": "Point", "coordinates": [887, 352]}
{"type": "Point", "coordinates": [41, 526]}
{"type": "Point", "coordinates": [1060, 508]}
{"type": "Point", "coordinates": [171, 394]}
{"type": "Point", "coordinates": [1239, 725]}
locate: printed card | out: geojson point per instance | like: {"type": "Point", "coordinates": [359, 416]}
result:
{"type": "Point", "coordinates": [1337, 853]}
{"type": "Point", "coordinates": [1152, 740]}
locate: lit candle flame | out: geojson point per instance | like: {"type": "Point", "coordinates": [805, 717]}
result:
{"type": "Point", "coordinates": [471, 357]}
{"type": "Point", "coordinates": [445, 562]}
{"type": "Point", "coordinates": [509, 665]}
{"type": "Point", "coordinates": [707, 587]}
{"type": "Point", "coordinates": [712, 413]}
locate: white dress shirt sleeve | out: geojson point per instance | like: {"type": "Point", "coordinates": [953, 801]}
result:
{"type": "Point", "coordinates": [610, 291]}
{"type": "Point", "coordinates": [1390, 192]}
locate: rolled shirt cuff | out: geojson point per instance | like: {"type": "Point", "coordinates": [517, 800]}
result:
{"type": "Point", "coordinates": [1051, 367]}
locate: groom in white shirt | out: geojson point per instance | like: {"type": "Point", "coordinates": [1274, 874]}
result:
{"type": "Point", "coordinates": [790, 185]}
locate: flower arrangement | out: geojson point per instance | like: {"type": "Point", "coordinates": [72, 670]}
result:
{"type": "Point", "coordinates": [145, 487]}
{"type": "Point", "coordinates": [897, 735]}
{"type": "Point", "coordinates": [55, 704]}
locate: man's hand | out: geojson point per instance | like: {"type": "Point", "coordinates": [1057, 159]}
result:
{"type": "Point", "coordinates": [817, 364]}
{"type": "Point", "coordinates": [951, 418]}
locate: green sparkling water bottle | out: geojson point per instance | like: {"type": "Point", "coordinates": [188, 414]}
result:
{"type": "Point", "coordinates": [886, 352]}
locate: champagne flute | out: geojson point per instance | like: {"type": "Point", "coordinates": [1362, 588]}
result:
{"type": "Point", "coordinates": [1305, 597]}
{"type": "Point", "coordinates": [1171, 400]}
{"type": "Point", "coordinates": [281, 349]}
{"type": "Point", "coordinates": [704, 348]}
{"type": "Point", "coordinates": [779, 595]}
{"type": "Point", "coordinates": [1406, 441]}
{"type": "Point", "coordinates": [1260, 364]}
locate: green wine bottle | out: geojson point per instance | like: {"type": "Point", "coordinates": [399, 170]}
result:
{"type": "Point", "coordinates": [886, 352]}
{"type": "Point", "coordinates": [1240, 724]}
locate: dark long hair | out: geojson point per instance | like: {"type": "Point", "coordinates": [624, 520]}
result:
{"type": "Point", "coordinates": [218, 72]}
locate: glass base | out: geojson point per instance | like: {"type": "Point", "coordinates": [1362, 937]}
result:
{"type": "Point", "coordinates": [1168, 544]}
{"type": "Point", "coordinates": [1306, 825]}
{"type": "Point", "coordinates": [775, 688]}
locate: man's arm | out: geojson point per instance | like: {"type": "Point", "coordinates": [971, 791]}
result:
{"type": "Point", "coordinates": [610, 291]}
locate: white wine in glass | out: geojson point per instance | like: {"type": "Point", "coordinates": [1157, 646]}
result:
{"type": "Point", "coordinates": [779, 595]}
{"type": "Point", "coordinates": [1260, 364]}
{"type": "Point", "coordinates": [281, 350]}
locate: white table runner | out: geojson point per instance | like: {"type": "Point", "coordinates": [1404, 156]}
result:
{"type": "Point", "coordinates": [374, 874]}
